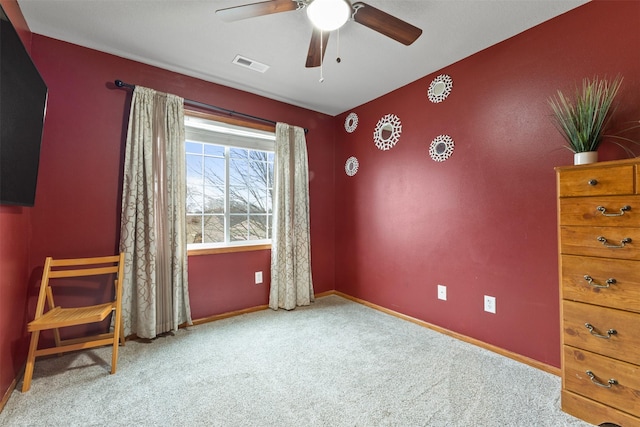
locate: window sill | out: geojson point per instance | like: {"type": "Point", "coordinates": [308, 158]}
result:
{"type": "Point", "coordinates": [228, 249]}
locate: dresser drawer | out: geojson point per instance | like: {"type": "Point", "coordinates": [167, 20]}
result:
{"type": "Point", "coordinates": [624, 394]}
{"type": "Point", "coordinates": [622, 328]}
{"type": "Point", "coordinates": [601, 181]}
{"type": "Point", "coordinates": [623, 289]}
{"type": "Point", "coordinates": [594, 412]}
{"type": "Point", "coordinates": [613, 211]}
{"type": "Point", "coordinates": [606, 242]}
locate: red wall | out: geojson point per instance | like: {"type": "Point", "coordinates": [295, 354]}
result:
{"type": "Point", "coordinates": [14, 272]}
{"type": "Point", "coordinates": [484, 221]}
{"type": "Point", "coordinates": [14, 258]}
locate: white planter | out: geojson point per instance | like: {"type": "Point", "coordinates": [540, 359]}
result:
{"type": "Point", "coordinates": [585, 158]}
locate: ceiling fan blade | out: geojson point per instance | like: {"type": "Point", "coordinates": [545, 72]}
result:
{"type": "Point", "coordinates": [253, 10]}
{"type": "Point", "coordinates": [314, 57]}
{"type": "Point", "coordinates": [386, 24]}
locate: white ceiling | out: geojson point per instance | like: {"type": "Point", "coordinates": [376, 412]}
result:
{"type": "Point", "coordinates": [187, 37]}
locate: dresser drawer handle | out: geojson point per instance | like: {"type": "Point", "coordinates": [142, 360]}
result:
{"type": "Point", "coordinates": [593, 332]}
{"type": "Point", "coordinates": [593, 182]}
{"type": "Point", "coordinates": [603, 211]}
{"type": "Point", "coordinates": [610, 281]}
{"type": "Point", "coordinates": [594, 380]}
{"type": "Point", "coordinates": [620, 246]}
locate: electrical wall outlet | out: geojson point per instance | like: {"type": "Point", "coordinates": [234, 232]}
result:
{"type": "Point", "coordinates": [490, 304]}
{"type": "Point", "coordinates": [442, 292]}
{"type": "Point", "coordinates": [258, 277]}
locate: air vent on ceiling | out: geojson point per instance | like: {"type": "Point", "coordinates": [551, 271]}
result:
{"type": "Point", "coordinates": [250, 63]}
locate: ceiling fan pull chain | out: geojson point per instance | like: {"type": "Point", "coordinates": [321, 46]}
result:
{"type": "Point", "coordinates": [321, 55]}
{"type": "Point", "coordinates": [338, 48]}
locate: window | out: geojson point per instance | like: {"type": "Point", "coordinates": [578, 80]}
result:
{"type": "Point", "coordinates": [229, 177]}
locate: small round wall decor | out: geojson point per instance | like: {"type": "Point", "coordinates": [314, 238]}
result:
{"type": "Point", "coordinates": [351, 166]}
{"type": "Point", "coordinates": [441, 148]}
{"type": "Point", "coordinates": [387, 132]}
{"type": "Point", "coordinates": [440, 88]}
{"type": "Point", "coordinates": [351, 122]}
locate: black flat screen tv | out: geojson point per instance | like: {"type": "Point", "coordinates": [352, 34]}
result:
{"type": "Point", "coordinates": [23, 101]}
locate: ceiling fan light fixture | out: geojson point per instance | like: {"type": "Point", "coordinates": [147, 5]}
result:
{"type": "Point", "coordinates": [328, 15]}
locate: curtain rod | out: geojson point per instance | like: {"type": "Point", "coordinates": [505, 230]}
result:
{"type": "Point", "coordinates": [121, 84]}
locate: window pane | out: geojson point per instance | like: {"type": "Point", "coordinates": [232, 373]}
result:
{"type": "Point", "coordinates": [238, 153]}
{"type": "Point", "coordinates": [258, 155]}
{"type": "Point", "coordinates": [194, 169]}
{"type": "Point", "coordinates": [194, 199]}
{"type": "Point", "coordinates": [214, 171]}
{"type": "Point", "coordinates": [239, 172]}
{"type": "Point", "coordinates": [213, 228]}
{"type": "Point", "coordinates": [194, 202]}
{"type": "Point", "coordinates": [213, 199]}
{"type": "Point", "coordinates": [258, 227]}
{"type": "Point", "coordinates": [193, 147]}
{"type": "Point", "coordinates": [214, 150]}
{"type": "Point", "coordinates": [238, 227]}
{"type": "Point", "coordinates": [238, 199]}
{"type": "Point", "coordinates": [258, 172]}
{"type": "Point", "coordinates": [194, 229]}
{"type": "Point", "coordinates": [257, 199]}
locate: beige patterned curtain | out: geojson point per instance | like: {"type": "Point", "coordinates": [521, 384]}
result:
{"type": "Point", "coordinates": [153, 228]}
{"type": "Point", "coordinates": [291, 282]}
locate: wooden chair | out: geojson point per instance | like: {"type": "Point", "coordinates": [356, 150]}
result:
{"type": "Point", "coordinates": [59, 317]}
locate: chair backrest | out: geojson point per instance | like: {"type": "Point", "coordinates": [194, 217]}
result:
{"type": "Point", "coordinates": [79, 267]}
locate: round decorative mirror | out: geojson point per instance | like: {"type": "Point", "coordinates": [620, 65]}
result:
{"type": "Point", "coordinates": [351, 166]}
{"type": "Point", "coordinates": [387, 132]}
{"type": "Point", "coordinates": [440, 88]}
{"type": "Point", "coordinates": [351, 122]}
{"type": "Point", "coordinates": [441, 148]}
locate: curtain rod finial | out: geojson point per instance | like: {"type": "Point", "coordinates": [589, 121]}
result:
{"type": "Point", "coordinates": [121, 84]}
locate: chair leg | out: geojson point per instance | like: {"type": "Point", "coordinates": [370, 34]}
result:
{"type": "Point", "coordinates": [28, 372]}
{"type": "Point", "coordinates": [122, 339]}
{"type": "Point", "coordinates": [114, 355]}
{"type": "Point", "coordinates": [56, 331]}
{"type": "Point", "coordinates": [117, 334]}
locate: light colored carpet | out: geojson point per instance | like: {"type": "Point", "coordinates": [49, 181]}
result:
{"type": "Point", "coordinates": [335, 363]}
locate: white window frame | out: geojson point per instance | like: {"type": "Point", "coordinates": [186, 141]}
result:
{"type": "Point", "coordinates": [210, 131]}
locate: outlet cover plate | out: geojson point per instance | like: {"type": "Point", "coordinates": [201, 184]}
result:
{"type": "Point", "coordinates": [490, 304]}
{"type": "Point", "coordinates": [442, 292]}
{"type": "Point", "coordinates": [258, 277]}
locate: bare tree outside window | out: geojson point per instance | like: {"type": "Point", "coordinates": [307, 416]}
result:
{"type": "Point", "coordinates": [229, 193]}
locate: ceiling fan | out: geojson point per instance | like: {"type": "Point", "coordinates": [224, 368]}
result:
{"type": "Point", "coordinates": [359, 12]}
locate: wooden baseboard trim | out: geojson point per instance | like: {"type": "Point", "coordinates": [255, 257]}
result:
{"type": "Point", "coordinates": [324, 294]}
{"type": "Point", "coordinates": [511, 355]}
{"type": "Point", "coordinates": [12, 387]}
{"type": "Point", "coordinates": [221, 316]}
{"type": "Point", "coordinates": [6, 396]}
{"type": "Point", "coordinates": [243, 311]}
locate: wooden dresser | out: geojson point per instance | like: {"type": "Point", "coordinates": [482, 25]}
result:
{"type": "Point", "coordinates": [599, 243]}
